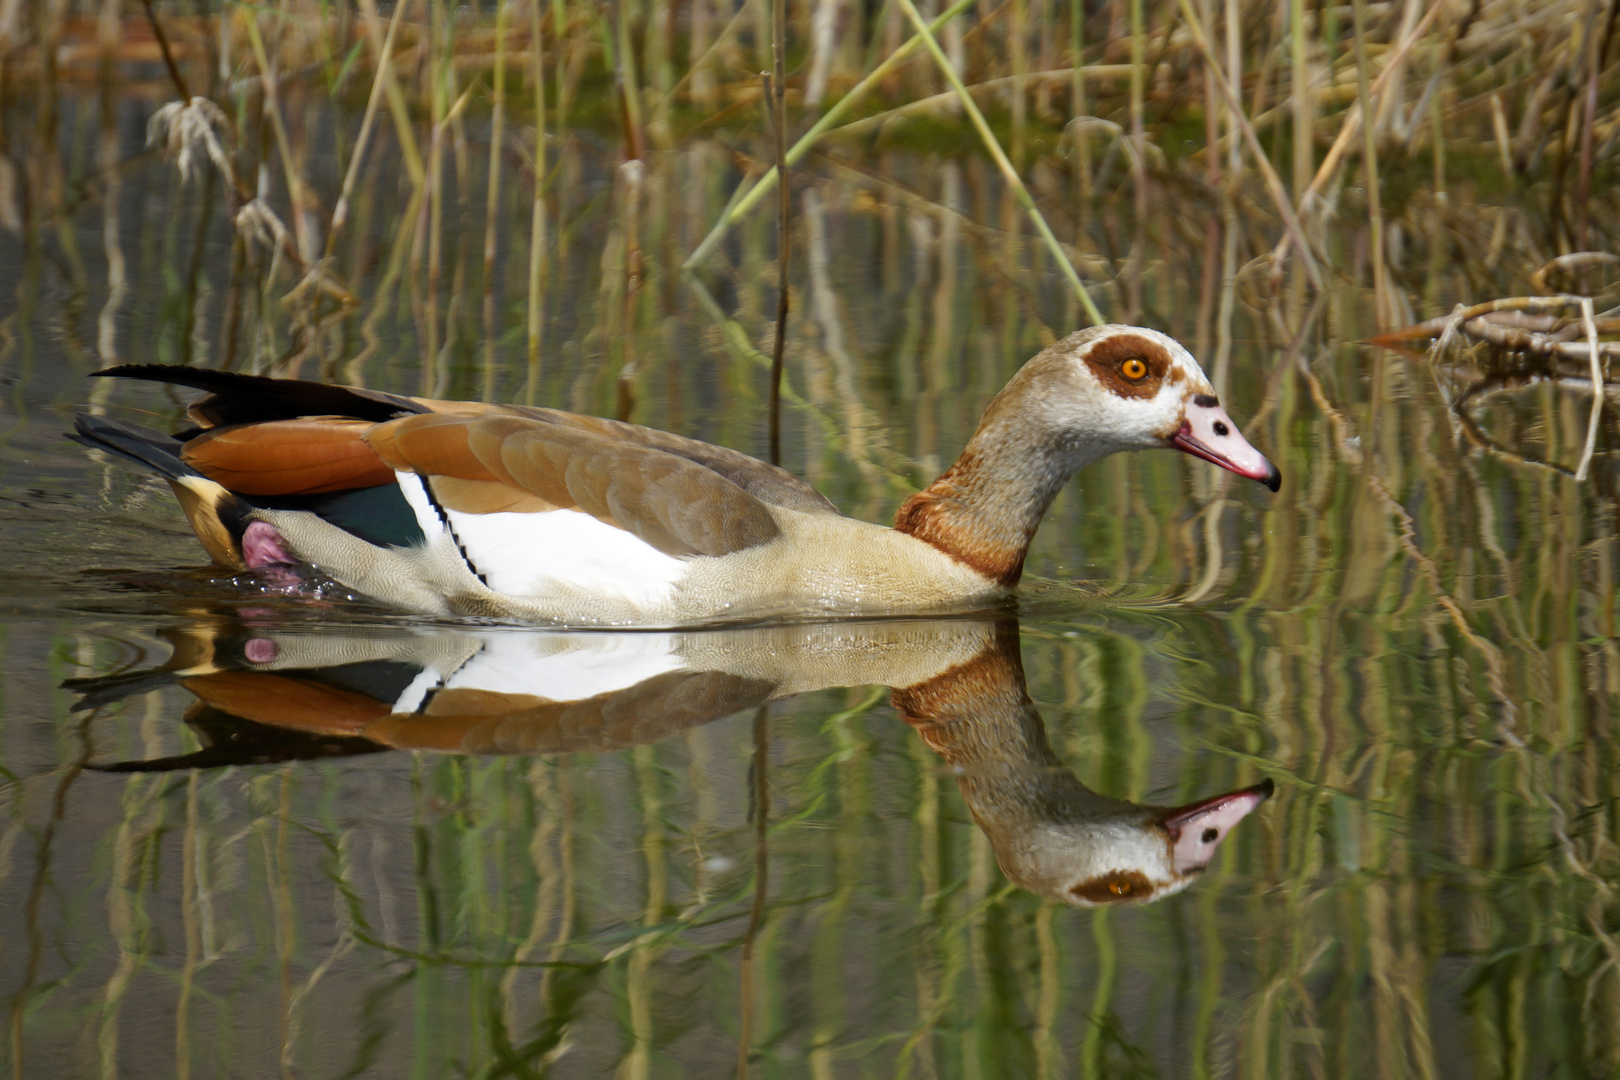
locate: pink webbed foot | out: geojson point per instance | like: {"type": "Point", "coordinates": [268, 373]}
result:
{"type": "Point", "coordinates": [265, 551]}
{"type": "Point", "coordinates": [263, 545]}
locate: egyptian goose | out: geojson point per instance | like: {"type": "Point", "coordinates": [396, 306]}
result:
{"type": "Point", "coordinates": [464, 509]}
{"type": "Point", "coordinates": [263, 695]}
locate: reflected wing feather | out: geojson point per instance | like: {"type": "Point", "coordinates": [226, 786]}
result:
{"type": "Point", "coordinates": [479, 722]}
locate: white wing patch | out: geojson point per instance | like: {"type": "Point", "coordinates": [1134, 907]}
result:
{"type": "Point", "coordinates": [550, 553]}
{"type": "Point", "coordinates": [554, 667]}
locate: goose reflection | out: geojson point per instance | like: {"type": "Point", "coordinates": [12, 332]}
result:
{"type": "Point", "coordinates": [1051, 834]}
{"type": "Point", "coordinates": [266, 695]}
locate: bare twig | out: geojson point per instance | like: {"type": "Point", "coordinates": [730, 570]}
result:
{"type": "Point", "coordinates": [168, 54]}
{"type": "Point", "coordinates": [1597, 389]}
{"type": "Point", "coordinates": [784, 240]}
{"type": "Point", "coordinates": [1273, 183]}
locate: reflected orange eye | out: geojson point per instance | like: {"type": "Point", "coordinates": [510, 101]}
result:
{"type": "Point", "coordinates": [1133, 369]}
{"type": "Point", "coordinates": [1123, 888]}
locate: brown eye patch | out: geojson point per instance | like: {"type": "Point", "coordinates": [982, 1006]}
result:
{"type": "Point", "coordinates": [1130, 365]}
{"type": "Point", "coordinates": [1113, 888]}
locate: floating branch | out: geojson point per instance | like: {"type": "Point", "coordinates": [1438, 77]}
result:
{"type": "Point", "coordinates": [1529, 338]}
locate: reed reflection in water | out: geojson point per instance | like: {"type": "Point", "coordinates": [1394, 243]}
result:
{"type": "Point", "coordinates": [519, 899]}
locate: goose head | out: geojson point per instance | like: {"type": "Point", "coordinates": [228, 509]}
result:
{"type": "Point", "coordinates": [1096, 392]}
{"type": "Point", "coordinates": [1058, 839]}
{"type": "Point", "coordinates": [1112, 388]}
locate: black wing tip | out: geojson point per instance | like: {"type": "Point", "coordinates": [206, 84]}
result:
{"type": "Point", "coordinates": [135, 443]}
{"type": "Point", "coordinates": [136, 371]}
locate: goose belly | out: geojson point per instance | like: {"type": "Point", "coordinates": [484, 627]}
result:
{"type": "Point", "coordinates": [823, 565]}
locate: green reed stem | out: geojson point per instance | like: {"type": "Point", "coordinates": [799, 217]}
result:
{"type": "Point", "coordinates": [745, 198]}
{"type": "Point", "coordinates": [624, 70]}
{"type": "Point", "coordinates": [1138, 146]}
{"type": "Point", "coordinates": [537, 217]}
{"type": "Point", "coordinates": [492, 198]}
{"type": "Point", "coordinates": [340, 212]}
{"type": "Point", "coordinates": [1082, 142]}
{"type": "Point", "coordinates": [1020, 68]}
{"type": "Point", "coordinates": [694, 72]}
{"type": "Point", "coordinates": [295, 183]}
{"type": "Point", "coordinates": [1020, 192]}
{"type": "Point", "coordinates": [1304, 119]}
{"type": "Point", "coordinates": [1369, 152]}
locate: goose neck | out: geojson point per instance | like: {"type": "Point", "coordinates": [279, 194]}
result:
{"type": "Point", "coordinates": [984, 510]}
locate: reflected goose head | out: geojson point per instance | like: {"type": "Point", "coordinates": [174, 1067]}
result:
{"type": "Point", "coordinates": [1051, 834]}
{"type": "Point", "coordinates": [1092, 851]}
{"type": "Point", "coordinates": [1115, 387]}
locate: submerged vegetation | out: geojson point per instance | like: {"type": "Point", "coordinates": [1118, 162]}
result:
{"type": "Point", "coordinates": [571, 203]}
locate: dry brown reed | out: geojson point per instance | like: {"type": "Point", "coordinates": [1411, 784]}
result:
{"type": "Point", "coordinates": [1533, 87]}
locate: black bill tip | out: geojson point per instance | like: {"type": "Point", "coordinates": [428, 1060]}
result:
{"type": "Point", "coordinates": [1273, 478]}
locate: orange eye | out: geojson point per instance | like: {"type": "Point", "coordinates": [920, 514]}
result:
{"type": "Point", "coordinates": [1133, 369]}
{"type": "Point", "coordinates": [1123, 888]}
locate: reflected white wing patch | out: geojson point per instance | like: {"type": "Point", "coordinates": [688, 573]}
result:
{"type": "Point", "coordinates": [570, 667]}
{"type": "Point", "coordinates": [549, 553]}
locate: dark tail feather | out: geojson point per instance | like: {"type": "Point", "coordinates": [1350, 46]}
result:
{"type": "Point", "coordinates": [231, 740]}
{"type": "Point", "coordinates": [104, 690]}
{"type": "Point", "coordinates": [141, 445]}
{"type": "Point", "coordinates": [218, 516]}
{"type": "Point", "coordinates": [252, 399]}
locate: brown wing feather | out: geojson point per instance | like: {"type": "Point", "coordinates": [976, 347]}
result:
{"type": "Point", "coordinates": [432, 444]}
{"type": "Point", "coordinates": [673, 503]}
{"type": "Point", "coordinates": [676, 505]}
{"type": "Point", "coordinates": [485, 497]}
{"type": "Point", "coordinates": [767, 483]}
{"type": "Point", "coordinates": [288, 457]}
{"type": "Point", "coordinates": [497, 441]}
